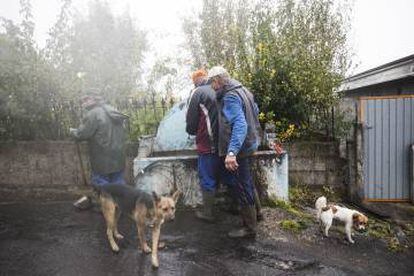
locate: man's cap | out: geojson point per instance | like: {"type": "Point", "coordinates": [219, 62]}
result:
{"type": "Point", "coordinates": [91, 97]}
{"type": "Point", "coordinates": [198, 74]}
{"type": "Point", "coordinates": [86, 97]}
{"type": "Point", "coordinates": [216, 71]}
{"type": "Point", "coordinates": [91, 94]}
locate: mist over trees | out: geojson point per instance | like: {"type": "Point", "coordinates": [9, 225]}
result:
{"type": "Point", "coordinates": [40, 87]}
{"type": "Point", "coordinates": [290, 54]}
{"type": "Point", "coordinates": [103, 50]}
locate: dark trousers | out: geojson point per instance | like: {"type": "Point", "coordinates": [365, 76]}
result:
{"type": "Point", "coordinates": [240, 182]}
{"type": "Point", "coordinates": [208, 171]}
{"type": "Point", "coordinates": [111, 178]}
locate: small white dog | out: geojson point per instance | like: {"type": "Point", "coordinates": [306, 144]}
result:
{"type": "Point", "coordinates": [327, 213]}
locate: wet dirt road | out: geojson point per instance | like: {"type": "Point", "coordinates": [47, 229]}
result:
{"type": "Point", "coordinates": [53, 239]}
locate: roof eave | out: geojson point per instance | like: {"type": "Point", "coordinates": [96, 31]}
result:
{"type": "Point", "coordinates": [394, 71]}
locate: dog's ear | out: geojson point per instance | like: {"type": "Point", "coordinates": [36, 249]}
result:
{"type": "Point", "coordinates": [175, 195]}
{"type": "Point", "coordinates": [155, 197]}
{"type": "Point", "coordinates": [355, 217]}
{"type": "Point", "coordinates": [324, 209]}
{"type": "Point", "coordinates": [363, 218]}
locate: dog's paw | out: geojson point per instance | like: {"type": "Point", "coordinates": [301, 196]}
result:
{"type": "Point", "coordinates": [115, 248]}
{"type": "Point", "coordinates": [146, 249]}
{"type": "Point", "coordinates": [161, 245]}
{"type": "Point", "coordinates": [352, 241]}
{"type": "Point", "coordinates": [155, 263]}
{"type": "Point", "coordinates": [118, 236]}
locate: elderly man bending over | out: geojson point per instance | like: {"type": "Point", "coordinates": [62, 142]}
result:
{"type": "Point", "coordinates": [239, 131]}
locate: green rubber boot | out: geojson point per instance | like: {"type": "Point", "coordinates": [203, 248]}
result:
{"type": "Point", "coordinates": [249, 229]}
{"type": "Point", "coordinates": [258, 205]}
{"type": "Point", "coordinates": [206, 213]}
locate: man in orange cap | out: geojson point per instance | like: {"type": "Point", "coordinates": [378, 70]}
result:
{"type": "Point", "coordinates": [202, 121]}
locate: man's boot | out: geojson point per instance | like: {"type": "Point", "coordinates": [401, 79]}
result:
{"type": "Point", "coordinates": [258, 205]}
{"type": "Point", "coordinates": [84, 203]}
{"type": "Point", "coordinates": [249, 217]}
{"type": "Point", "coordinates": [206, 213]}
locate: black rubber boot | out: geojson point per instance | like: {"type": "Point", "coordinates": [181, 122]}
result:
{"type": "Point", "coordinates": [206, 213]}
{"type": "Point", "coordinates": [249, 217]}
{"type": "Point", "coordinates": [258, 205]}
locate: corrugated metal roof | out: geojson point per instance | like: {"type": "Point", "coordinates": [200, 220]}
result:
{"type": "Point", "coordinates": [395, 70]}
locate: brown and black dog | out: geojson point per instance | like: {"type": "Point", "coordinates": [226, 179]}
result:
{"type": "Point", "coordinates": [140, 206]}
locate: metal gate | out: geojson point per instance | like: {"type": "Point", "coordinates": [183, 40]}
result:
{"type": "Point", "coordinates": [388, 134]}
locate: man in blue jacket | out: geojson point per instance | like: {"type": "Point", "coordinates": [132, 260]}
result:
{"type": "Point", "coordinates": [239, 131]}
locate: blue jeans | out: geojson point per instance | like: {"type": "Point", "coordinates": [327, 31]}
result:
{"type": "Point", "coordinates": [208, 171]}
{"type": "Point", "coordinates": [111, 178]}
{"type": "Point", "coordinates": [240, 182]}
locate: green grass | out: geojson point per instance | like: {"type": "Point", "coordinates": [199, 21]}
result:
{"type": "Point", "coordinates": [300, 220]}
{"type": "Point", "coordinates": [293, 225]}
{"type": "Point", "coordinates": [394, 245]}
{"type": "Point", "coordinates": [379, 229]}
{"type": "Point", "coordinates": [276, 203]}
{"type": "Point", "coordinates": [382, 230]}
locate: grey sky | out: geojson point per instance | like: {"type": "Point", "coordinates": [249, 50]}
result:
{"type": "Point", "coordinates": [381, 28]}
{"type": "Point", "coordinates": [382, 31]}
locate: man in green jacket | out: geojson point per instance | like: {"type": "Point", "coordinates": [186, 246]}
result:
{"type": "Point", "coordinates": [103, 127]}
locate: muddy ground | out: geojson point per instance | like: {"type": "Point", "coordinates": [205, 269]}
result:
{"type": "Point", "coordinates": [53, 239]}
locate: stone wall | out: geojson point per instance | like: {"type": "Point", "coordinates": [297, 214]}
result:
{"type": "Point", "coordinates": [51, 170]}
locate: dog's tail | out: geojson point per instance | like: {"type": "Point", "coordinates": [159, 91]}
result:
{"type": "Point", "coordinates": [320, 203]}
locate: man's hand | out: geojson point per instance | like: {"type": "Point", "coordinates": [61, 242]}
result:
{"type": "Point", "coordinates": [278, 148]}
{"type": "Point", "coordinates": [231, 163]}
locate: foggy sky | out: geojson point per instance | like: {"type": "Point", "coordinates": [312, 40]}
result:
{"type": "Point", "coordinates": [382, 29]}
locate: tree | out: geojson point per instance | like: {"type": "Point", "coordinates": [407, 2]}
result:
{"type": "Point", "coordinates": [291, 54]}
{"type": "Point", "coordinates": [105, 49]}
{"type": "Point", "coordinates": [218, 34]}
{"type": "Point", "coordinates": [25, 87]}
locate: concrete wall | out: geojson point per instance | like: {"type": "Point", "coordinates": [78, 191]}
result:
{"type": "Point", "coordinates": [47, 170]}
{"type": "Point", "coordinates": [167, 173]}
{"type": "Point", "coordinates": [51, 170]}
{"type": "Point", "coordinates": [316, 164]}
